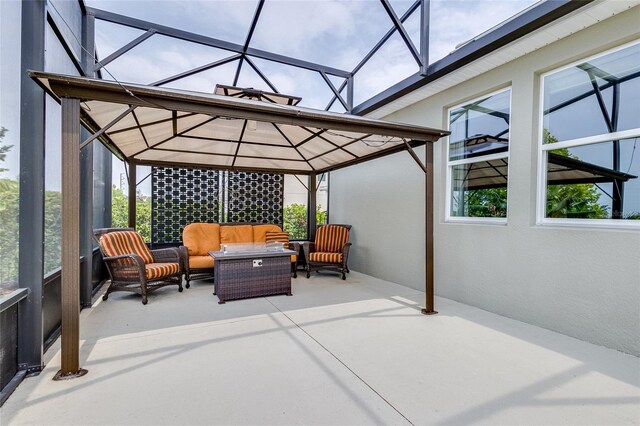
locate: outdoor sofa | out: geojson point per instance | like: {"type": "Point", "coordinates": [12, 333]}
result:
{"type": "Point", "coordinates": [199, 239]}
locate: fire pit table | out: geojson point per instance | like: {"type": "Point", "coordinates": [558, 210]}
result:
{"type": "Point", "coordinates": [251, 270]}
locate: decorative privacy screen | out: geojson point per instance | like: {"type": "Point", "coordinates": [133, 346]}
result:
{"type": "Point", "coordinates": [254, 197]}
{"type": "Point", "coordinates": [181, 196]}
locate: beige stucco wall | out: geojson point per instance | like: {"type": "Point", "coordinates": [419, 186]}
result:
{"type": "Point", "coordinates": [583, 282]}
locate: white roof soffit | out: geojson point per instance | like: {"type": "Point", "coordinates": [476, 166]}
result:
{"type": "Point", "coordinates": [160, 126]}
{"type": "Point", "coordinates": [582, 18]}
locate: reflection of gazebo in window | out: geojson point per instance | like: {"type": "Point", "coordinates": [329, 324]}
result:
{"type": "Point", "coordinates": [561, 170]}
{"type": "Point", "coordinates": [560, 167]}
{"type": "Point", "coordinates": [486, 174]}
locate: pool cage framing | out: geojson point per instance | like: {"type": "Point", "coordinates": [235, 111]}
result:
{"type": "Point", "coordinates": [38, 15]}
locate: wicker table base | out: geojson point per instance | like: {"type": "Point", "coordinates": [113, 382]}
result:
{"type": "Point", "coordinates": [244, 275]}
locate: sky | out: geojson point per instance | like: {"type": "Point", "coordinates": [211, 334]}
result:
{"type": "Point", "coordinates": [331, 32]}
{"type": "Point", "coordinates": [334, 33]}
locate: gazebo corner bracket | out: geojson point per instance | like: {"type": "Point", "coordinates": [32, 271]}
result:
{"type": "Point", "coordinates": [415, 157]}
{"type": "Point", "coordinates": [113, 122]}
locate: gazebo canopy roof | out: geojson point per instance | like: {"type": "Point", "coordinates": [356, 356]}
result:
{"type": "Point", "coordinates": [159, 126]}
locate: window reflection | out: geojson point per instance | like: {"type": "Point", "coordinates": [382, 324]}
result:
{"type": "Point", "coordinates": [595, 175]}
{"type": "Point", "coordinates": [480, 189]}
{"type": "Point", "coordinates": [601, 95]}
{"type": "Point", "coordinates": [478, 157]}
{"type": "Point", "coordinates": [582, 184]}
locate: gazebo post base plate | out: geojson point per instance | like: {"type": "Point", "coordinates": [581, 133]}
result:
{"type": "Point", "coordinates": [68, 376]}
{"type": "Point", "coordinates": [425, 312]}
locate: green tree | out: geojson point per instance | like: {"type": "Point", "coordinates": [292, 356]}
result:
{"type": "Point", "coordinates": [119, 208]}
{"type": "Point", "coordinates": [52, 230]}
{"type": "Point", "coordinates": [3, 148]}
{"type": "Point", "coordinates": [9, 207]}
{"type": "Point", "coordinates": [9, 228]}
{"type": "Point", "coordinates": [120, 212]}
{"type": "Point", "coordinates": [295, 220]}
{"type": "Point", "coordinates": [143, 216]}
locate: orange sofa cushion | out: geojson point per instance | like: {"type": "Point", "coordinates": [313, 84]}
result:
{"type": "Point", "coordinates": [236, 234]}
{"type": "Point", "coordinates": [260, 232]}
{"type": "Point", "coordinates": [201, 262]}
{"type": "Point", "coordinates": [201, 238]}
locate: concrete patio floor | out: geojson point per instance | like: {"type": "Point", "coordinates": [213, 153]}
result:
{"type": "Point", "coordinates": [336, 352]}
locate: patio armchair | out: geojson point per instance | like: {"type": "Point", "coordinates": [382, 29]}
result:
{"type": "Point", "coordinates": [330, 251]}
{"type": "Point", "coordinates": [133, 267]}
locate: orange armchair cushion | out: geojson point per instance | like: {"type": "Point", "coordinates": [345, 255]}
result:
{"type": "Point", "coordinates": [331, 238]}
{"type": "Point", "coordinates": [125, 242]}
{"type": "Point", "coordinates": [236, 234]}
{"type": "Point", "coordinates": [161, 270]}
{"type": "Point", "coordinates": [325, 257]}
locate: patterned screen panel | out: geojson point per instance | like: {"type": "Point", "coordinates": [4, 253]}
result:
{"type": "Point", "coordinates": [254, 197]}
{"type": "Point", "coordinates": [179, 197]}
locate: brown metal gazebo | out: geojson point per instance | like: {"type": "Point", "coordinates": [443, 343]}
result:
{"type": "Point", "coordinates": [146, 125]}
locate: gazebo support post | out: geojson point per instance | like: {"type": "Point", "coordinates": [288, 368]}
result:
{"type": "Point", "coordinates": [428, 222]}
{"type": "Point", "coordinates": [70, 362]}
{"type": "Point", "coordinates": [132, 195]}
{"type": "Point", "coordinates": [311, 208]}
{"type": "Point", "coordinates": [428, 214]}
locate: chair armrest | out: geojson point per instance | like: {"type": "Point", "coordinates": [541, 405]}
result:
{"type": "Point", "coordinates": [308, 247]}
{"type": "Point", "coordinates": [184, 257]}
{"type": "Point", "coordinates": [345, 253]}
{"type": "Point", "coordinates": [132, 258]}
{"type": "Point", "coordinates": [295, 246]}
{"type": "Point", "coordinates": [167, 255]}
{"type": "Point", "coordinates": [124, 266]}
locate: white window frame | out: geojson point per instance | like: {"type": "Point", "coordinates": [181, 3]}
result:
{"type": "Point", "coordinates": [450, 164]}
{"type": "Point", "coordinates": [541, 198]}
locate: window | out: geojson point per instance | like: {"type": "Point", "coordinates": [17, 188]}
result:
{"type": "Point", "coordinates": [478, 158]}
{"type": "Point", "coordinates": [589, 136]}
{"type": "Point", "coordinates": [10, 43]}
{"type": "Point", "coordinates": [56, 60]}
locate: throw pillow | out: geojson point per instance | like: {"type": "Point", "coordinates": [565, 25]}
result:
{"type": "Point", "coordinates": [277, 237]}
